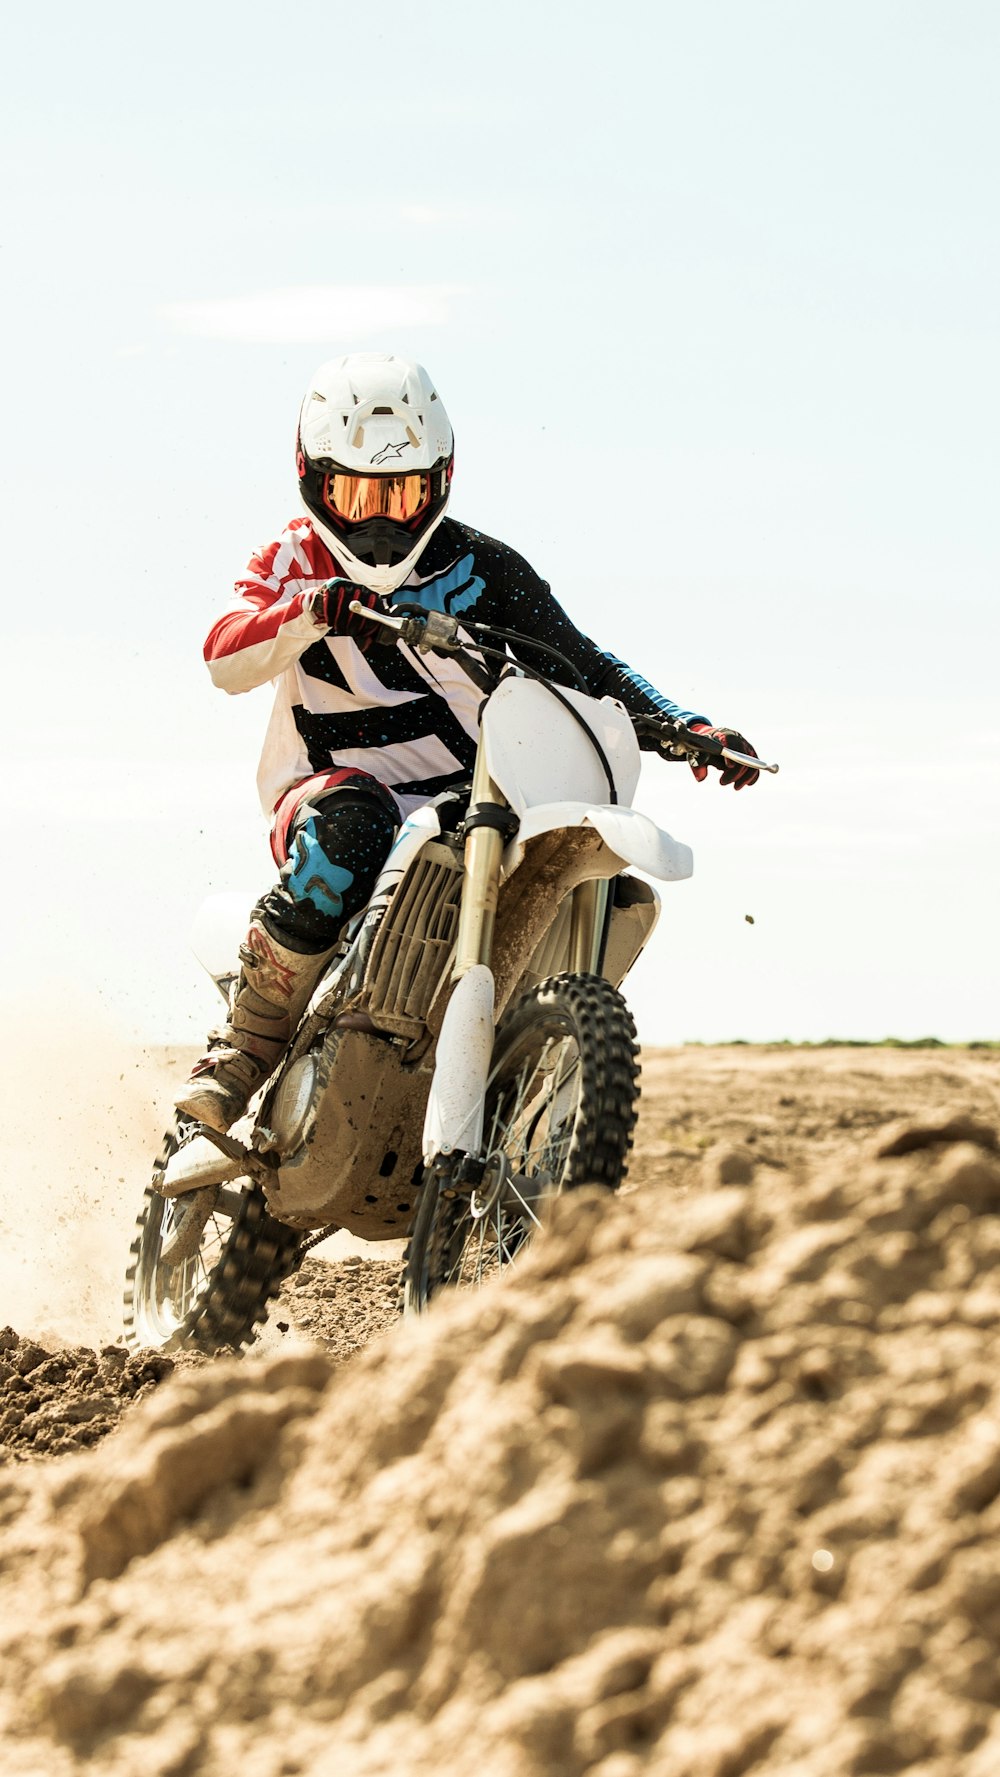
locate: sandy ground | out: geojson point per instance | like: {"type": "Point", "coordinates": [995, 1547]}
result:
{"type": "Point", "coordinates": [788, 1109]}
{"type": "Point", "coordinates": [708, 1487]}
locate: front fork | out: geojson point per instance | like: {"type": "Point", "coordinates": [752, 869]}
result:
{"type": "Point", "coordinates": [454, 1123]}
{"type": "Point", "coordinates": [586, 931]}
{"type": "Point", "coordinates": [455, 1108]}
{"type": "Point", "coordinates": [483, 851]}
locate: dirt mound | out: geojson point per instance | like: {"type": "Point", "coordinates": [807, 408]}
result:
{"type": "Point", "coordinates": [710, 1487]}
{"type": "Point", "coordinates": [67, 1399]}
{"type": "Point", "coordinates": [344, 1303]}
{"type": "Point", "coordinates": [55, 1399]}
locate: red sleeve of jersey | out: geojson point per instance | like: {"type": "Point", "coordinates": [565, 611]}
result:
{"type": "Point", "coordinates": [266, 627]}
{"type": "Point", "coordinates": [256, 619]}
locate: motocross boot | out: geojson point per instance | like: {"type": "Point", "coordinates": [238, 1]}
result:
{"type": "Point", "coordinates": [265, 1005]}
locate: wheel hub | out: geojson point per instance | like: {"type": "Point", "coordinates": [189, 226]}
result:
{"type": "Point", "coordinates": [491, 1187]}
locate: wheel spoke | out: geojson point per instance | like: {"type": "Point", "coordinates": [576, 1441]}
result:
{"type": "Point", "coordinates": [523, 1201]}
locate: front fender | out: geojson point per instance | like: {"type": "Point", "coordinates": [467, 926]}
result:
{"type": "Point", "coordinates": [631, 836]}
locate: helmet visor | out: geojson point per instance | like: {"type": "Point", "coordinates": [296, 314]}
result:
{"type": "Point", "coordinates": [355, 498]}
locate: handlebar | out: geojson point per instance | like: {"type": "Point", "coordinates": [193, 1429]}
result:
{"type": "Point", "coordinates": [677, 739]}
{"type": "Point", "coordinates": [433, 632]}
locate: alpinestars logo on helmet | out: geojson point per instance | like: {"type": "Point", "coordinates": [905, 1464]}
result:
{"type": "Point", "coordinates": [393, 450]}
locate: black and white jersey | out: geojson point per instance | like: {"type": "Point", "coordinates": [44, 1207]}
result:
{"type": "Point", "coordinates": [410, 720]}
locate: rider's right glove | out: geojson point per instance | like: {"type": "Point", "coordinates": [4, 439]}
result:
{"type": "Point", "coordinates": [330, 605]}
{"type": "Point", "coordinates": [740, 776]}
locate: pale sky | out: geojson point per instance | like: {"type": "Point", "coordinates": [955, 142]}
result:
{"type": "Point", "coordinates": [711, 293]}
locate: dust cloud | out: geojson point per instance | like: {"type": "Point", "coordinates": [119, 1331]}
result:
{"type": "Point", "coordinates": [83, 1110]}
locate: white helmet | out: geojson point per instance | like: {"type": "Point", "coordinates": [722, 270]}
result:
{"type": "Point", "coordinates": [375, 455]}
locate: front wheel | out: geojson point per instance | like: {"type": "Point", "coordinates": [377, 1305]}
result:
{"type": "Point", "coordinates": [561, 1105]}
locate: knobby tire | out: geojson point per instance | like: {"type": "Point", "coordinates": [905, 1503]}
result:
{"type": "Point", "coordinates": [587, 1142]}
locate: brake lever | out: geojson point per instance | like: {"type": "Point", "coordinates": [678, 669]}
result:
{"type": "Point", "coordinates": [686, 742]}
{"type": "Point", "coordinates": [361, 610]}
{"type": "Point", "coordinates": [429, 632]}
{"type": "Point", "coordinates": [745, 759]}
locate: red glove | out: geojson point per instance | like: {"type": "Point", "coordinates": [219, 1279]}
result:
{"type": "Point", "coordinates": [740, 776]}
{"type": "Point", "coordinates": [330, 605]}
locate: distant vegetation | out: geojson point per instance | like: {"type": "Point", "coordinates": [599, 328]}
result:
{"type": "Point", "coordinates": [849, 1043]}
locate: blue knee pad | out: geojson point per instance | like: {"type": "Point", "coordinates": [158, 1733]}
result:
{"type": "Point", "coordinates": [336, 849]}
{"type": "Point", "coordinates": [314, 876]}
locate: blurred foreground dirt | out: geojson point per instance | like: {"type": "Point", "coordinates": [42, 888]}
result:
{"type": "Point", "coordinates": [711, 1486]}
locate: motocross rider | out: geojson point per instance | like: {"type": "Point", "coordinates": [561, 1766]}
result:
{"type": "Point", "coordinates": [362, 732]}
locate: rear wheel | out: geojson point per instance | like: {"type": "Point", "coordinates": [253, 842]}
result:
{"type": "Point", "coordinates": [214, 1297]}
{"type": "Point", "coordinates": [561, 1104]}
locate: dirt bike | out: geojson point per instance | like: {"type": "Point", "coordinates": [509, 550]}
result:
{"type": "Point", "coordinates": [466, 1056]}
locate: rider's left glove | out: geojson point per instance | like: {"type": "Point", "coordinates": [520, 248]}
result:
{"type": "Point", "coordinates": [740, 776]}
{"type": "Point", "coordinates": [330, 605]}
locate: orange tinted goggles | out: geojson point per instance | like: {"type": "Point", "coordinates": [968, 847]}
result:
{"type": "Point", "coordinates": [354, 498]}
